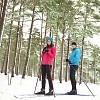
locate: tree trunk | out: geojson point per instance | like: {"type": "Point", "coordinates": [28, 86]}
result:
{"type": "Point", "coordinates": [82, 60]}
{"type": "Point", "coordinates": [19, 52]}
{"type": "Point", "coordinates": [50, 33]}
{"type": "Point", "coordinates": [19, 31]}
{"type": "Point", "coordinates": [94, 67]}
{"type": "Point", "coordinates": [54, 63]}
{"type": "Point", "coordinates": [1, 10]}
{"type": "Point", "coordinates": [8, 54]}
{"type": "Point", "coordinates": [40, 46]}
{"type": "Point", "coordinates": [20, 42]}
{"type": "Point", "coordinates": [85, 27]}
{"type": "Point", "coordinates": [62, 51]}
{"type": "Point", "coordinates": [67, 58]}
{"type": "Point", "coordinates": [29, 46]}
{"type": "Point", "coordinates": [45, 30]}
{"type": "Point", "coordinates": [41, 36]}
{"type": "Point", "coordinates": [9, 43]}
{"type": "Point", "coordinates": [15, 52]}
{"type": "Point", "coordinates": [94, 74]}
{"type": "Point", "coordinates": [3, 65]}
{"type": "Point", "coordinates": [2, 18]}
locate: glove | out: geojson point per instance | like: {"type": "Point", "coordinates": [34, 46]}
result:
{"type": "Point", "coordinates": [45, 49]}
{"type": "Point", "coordinates": [67, 60]}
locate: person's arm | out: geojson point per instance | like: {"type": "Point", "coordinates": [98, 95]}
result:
{"type": "Point", "coordinates": [52, 53]}
{"type": "Point", "coordinates": [42, 54]}
{"type": "Point", "coordinates": [76, 57]}
{"type": "Point", "coordinates": [43, 51]}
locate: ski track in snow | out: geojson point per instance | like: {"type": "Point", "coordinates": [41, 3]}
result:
{"type": "Point", "coordinates": [25, 87]}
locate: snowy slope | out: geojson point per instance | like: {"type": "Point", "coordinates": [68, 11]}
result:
{"type": "Point", "coordinates": [26, 86]}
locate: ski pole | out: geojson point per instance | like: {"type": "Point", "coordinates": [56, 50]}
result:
{"type": "Point", "coordinates": [87, 87]}
{"type": "Point", "coordinates": [84, 82]}
{"type": "Point", "coordinates": [53, 86]}
{"type": "Point", "coordinates": [36, 85]}
{"type": "Point", "coordinates": [54, 91]}
{"type": "Point", "coordinates": [37, 79]}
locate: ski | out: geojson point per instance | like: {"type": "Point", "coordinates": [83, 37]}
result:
{"type": "Point", "coordinates": [23, 96]}
{"type": "Point", "coordinates": [58, 94]}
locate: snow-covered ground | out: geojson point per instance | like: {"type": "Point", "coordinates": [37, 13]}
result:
{"type": "Point", "coordinates": [26, 86]}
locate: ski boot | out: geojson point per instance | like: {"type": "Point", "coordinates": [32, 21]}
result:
{"type": "Point", "coordinates": [73, 92]}
{"type": "Point", "coordinates": [50, 92]}
{"type": "Point", "coordinates": [41, 92]}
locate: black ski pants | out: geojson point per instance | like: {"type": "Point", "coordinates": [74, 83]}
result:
{"type": "Point", "coordinates": [73, 69]}
{"type": "Point", "coordinates": [46, 72]}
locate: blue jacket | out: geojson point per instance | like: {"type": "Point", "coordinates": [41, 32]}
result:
{"type": "Point", "coordinates": [75, 56]}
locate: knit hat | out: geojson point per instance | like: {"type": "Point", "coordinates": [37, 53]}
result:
{"type": "Point", "coordinates": [50, 38]}
{"type": "Point", "coordinates": [74, 43]}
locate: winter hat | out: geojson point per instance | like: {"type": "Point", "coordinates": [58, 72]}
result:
{"type": "Point", "coordinates": [74, 43]}
{"type": "Point", "coordinates": [50, 38]}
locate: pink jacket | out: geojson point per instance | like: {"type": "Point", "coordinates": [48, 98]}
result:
{"type": "Point", "coordinates": [47, 57]}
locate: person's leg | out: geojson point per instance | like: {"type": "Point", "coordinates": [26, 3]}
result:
{"type": "Point", "coordinates": [49, 77]}
{"type": "Point", "coordinates": [73, 69]}
{"type": "Point", "coordinates": [43, 72]}
{"type": "Point", "coordinates": [74, 80]}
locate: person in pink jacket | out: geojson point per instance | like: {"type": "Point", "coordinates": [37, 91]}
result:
{"type": "Point", "coordinates": [48, 55]}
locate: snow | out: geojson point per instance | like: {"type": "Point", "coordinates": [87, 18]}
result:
{"type": "Point", "coordinates": [26, 86]}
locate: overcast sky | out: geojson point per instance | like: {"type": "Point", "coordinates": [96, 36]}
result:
{"type": "Point", "coordinates": [94, 40]}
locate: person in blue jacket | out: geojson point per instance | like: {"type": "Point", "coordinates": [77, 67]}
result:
{"type": "Point", "coordinates": [74, 63]}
